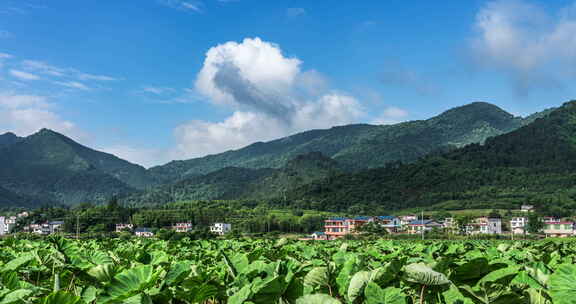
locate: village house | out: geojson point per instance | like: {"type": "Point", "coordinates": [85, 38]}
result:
{"type": "Point", "coordinates": [558, 228]}
{"type": "Point", "coordinates": [123, 227]}
{"type": "Point", "coordinates": [6, 225]}
{"type": "Point", "coordinates": [485, 225]}
{"type": "Point", "coordinates": [527, 208]}
{"type": "Point", "coordinates": [55, 226]}
{"type": "Point", "coordinates": [340, 226]}
{"type": "Point", "coordinates": [406, 219]}
{"type": "Point", "coordinates": [143, 232]}
{"type": "Point", "coordinates": [420, 226]}
{"type": "Point", "coordinates": [388, 222]}
{"type": "Point", "coordinates": [518, 225]}
{"type": "Point", "coordinates": [182, 227]}
{"type": "Point", "coordinates": [319, 235]}
{"type": "Point", "coordinates": [221, 228]}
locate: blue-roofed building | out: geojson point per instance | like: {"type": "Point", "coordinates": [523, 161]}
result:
{"type": "Point", "coordinates": [419, 226]}
{"type": "Point", "coordinates": [389, 222]}
{"type": "Point", "coordinates": [144, 232]}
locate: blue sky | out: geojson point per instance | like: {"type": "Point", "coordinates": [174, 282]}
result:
{"type": "Point", "coordinates": [155, 80]}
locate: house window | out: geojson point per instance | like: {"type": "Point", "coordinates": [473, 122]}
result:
{"type": "Point", "coordinates": [557, 226]}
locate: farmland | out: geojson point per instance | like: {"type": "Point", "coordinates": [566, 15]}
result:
{"type": "Point", "coordinates": [59, 270]}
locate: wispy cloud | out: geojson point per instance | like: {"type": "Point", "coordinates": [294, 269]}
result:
{"type": "Point", "coordinates": [5, 34]}
{"type": "Point", "coordinates": [295, 12]}
{"type": "Point", "coordinates": [23, 75]}
{"type": "Point", "coordinates": [72, 85]}
{"type": "Point", "coordinates": [190, 5]}
{"type": "Point", "coordinates": [535, 48]}
{"type": "Point", "coordinates": [158, 90]}
{"type": "Point", "coordinates": [44, 68]}
{"type": "Point", "coordinates": [396, 74]}
{"type": "Point", "coordinates": [85, 76]}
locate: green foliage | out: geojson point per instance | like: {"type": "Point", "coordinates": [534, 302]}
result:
{"type": "Point", "coordinates": [265, 271]}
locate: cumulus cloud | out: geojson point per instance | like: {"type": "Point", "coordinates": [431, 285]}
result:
{"type": "Point", "coordinates": [534, 47]}
{"type": "Point", "coordinates": [270, 97]}
{"type": "Point", "coordinates": [26, 114]}
{"type": "Point", "coordinates": [23, 75]}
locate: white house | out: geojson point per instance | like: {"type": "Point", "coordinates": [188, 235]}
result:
{"type": "Point", "coordinates": [518, 225]}
{"type": "Point", "coordinates": [182, 227]}
{"type": "Point", "coordinates": [144, 232]}
{"type": "Point", "coordinates": [319, 235]}
{"type": "Point", "coordinates": [221, 228]}
{"type": "Point", "coordinates": [485, 225]}
{"type": "Point", "coordinates": [7, 224]}
{"type": "Point", "coordinates": [527, 208]}
{"type": "Point", "coordinates": [121, 227]}
{"type": "Point", "coordinates": [55, 226]}
{"type": "Point", "coordinates": [558, 228]}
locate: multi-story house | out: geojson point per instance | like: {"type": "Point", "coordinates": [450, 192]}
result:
{"type": "Point", "coordinates": [485, 225]}
{"type": "Point", "coordinates": [420, 226]}
{"type": "Point", "coordinates": [122, 227]}
{"type": "Point", "coordinates": [221, 228]}
{"type": "Point", "coordinates": [406, 219]}
{"type": "Point", "coordinates": [339, 226]}
{"type": "Point", "coordinates": [558, 228]}
{"type": "Point", "coordinates": [388, 222]}
{"type": "Point", "coordinates": [182, 227]}
{"type": "Point", "coordinates": [518, 225]}
{"type": "Point", "coordinates": [143, 232]}
{"type": "Point", "coordinates": [55, 226]}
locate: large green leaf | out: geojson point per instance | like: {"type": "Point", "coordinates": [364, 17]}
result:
{"type": "Point", "coordinates": [422, 274]}
{"type": "Point", "coordinates": [16, 296]}
{"type": "Point", "coordinates": [129, 283]}
{"type": "Point", "coordinates": [61, 297]}
{"type": "Point", "coordinates": [562, 284]}
{"type": "Point", "coordinates": [357, 284]}
{"type": "Point", "coordinates": [17, 262]}
{"type": "Point", "coordinates": [317, 299]}
{"type": "Point", "coordinates": [376, 295]}
{"type": "Point", "coordinates": [318, 276]}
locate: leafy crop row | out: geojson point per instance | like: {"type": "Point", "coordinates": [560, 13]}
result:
{"type": "Point", "coordinates": [63, 271]}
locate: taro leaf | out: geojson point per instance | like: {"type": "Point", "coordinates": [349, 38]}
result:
{"type": "Point", "coordinates": [472, 269]}
{"type": "Point", "coordinates": [16, 296]}
{"type": "Point", "coordinates": [61, 297]}
{"type": "Point", "coordinates": [422, 274]}
{"type": "Point", "coordinates": [536, 296]}
{"type": "Point", "coordinates": [241, 296]}
{"type": "Point", "coordinates": [102, 273]}
{"type": "Point", "coordinates": [318, 276]}
{"type": "Point", "coordinates": [178, 271]}
{"type": "Point", "coordinates": [562, 284]}
{"type": "Point", "coordinates": [357, 284]}
{"type": "Point", "coordinates": [522, 279]}
{"type": "Point", "coordinates": [268, 290]}
{"type": "Point", "coordinates": [138, 299]}
{"type": "Point", "coordinates": [345, 274]}
{"type": "Point", "coordinates": [281, 242]}
{"type": "Point", "coordinates": [318, 298]}
{"type": "Point", "coordinates": [453, 295]}
{"type": "Point", "coordinates": [89, 294]}
{"type": "Point", "coordinates": [17, 262]}
{"type": "Point", "coordinates": [129, 282]}
{"type": "Point", "coordinates": [376, 295]}
{"type": "Point", "coordinates": [500, 274]}
{"type": "Point", "coordinates": [10, 280]}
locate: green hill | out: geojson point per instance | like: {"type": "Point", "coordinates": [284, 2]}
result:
{"type": "Point", "coordinates": [52, 167]}
{"type": "Point", "coordinates": [8, 139]}
{"type": "Point", "coordinates": [358, 147]}
{"type": "Point", "coordinates": [536, 164]}
{"type": "Point", "coordinates": [243, 183]}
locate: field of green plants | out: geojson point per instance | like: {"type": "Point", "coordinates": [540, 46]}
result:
{"type": "Point", "coordinates": [63, 271]}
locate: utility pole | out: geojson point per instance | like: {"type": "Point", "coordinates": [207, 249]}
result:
{"type": "Point", "coordinates": [78, 226]}
{"type": "Point", "coordinates": [423, 225]}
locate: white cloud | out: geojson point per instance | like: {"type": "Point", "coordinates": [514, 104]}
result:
{"type": "Point", "coordinates": [270, 97]}
{"type": "Point", "coordinates": [23, 75]}
{"type": "Point", "coordinates": [26, 114]}
{"type": "Point", "coordinates": [191, 5]}
{"type": "Point", "coordinates": [85, 76]}
{"type": "Point", "coordinates": [391, 115]}
{"type": "Point", "coordinates": [157, 90]}
{"type": "Point", "coordinates": [72, 85]}
{"type": "Point", "coordinates": [44, 68]}
{"type": "Point", "coordinates": [295, 12]}
{"type": "Point", "coordinates": [534, 47]}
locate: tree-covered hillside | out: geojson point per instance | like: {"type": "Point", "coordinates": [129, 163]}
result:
{"type": "Point", "coordinates": [358, 147]}
{"type": "Point", "coordinates": [53, 168]}
{"type": "Point", "coordinates": [535, 164]}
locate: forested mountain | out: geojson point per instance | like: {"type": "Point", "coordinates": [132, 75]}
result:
{"type": "Point", "coordinates": [8, 139]}
{"type": "Point", "coordinates": [536, 164]}
{"type": "Point", "coordinates": [358, 147]}
{"type": "Point", "coordinates": [243, 183]}
{"type": "Point", "coordinates": [47, 167]}
{"type": "Point", "coordinates": [53, 168]}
